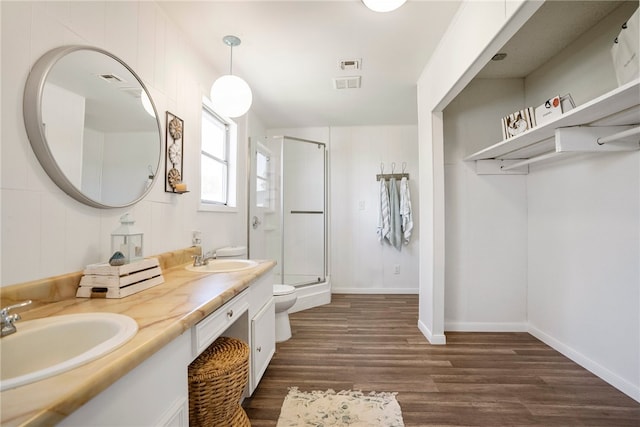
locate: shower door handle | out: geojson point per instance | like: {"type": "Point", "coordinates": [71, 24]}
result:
{"type": "Point", "coordinates": [307, 212]}
{"type": "Point", "coordinates": [255, 222]}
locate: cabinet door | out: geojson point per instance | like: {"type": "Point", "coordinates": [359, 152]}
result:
{"type": "Point", "coordinates": [263, 339]}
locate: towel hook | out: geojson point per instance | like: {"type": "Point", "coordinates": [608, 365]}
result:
{"type": "Point", "coordinates": [404, 166]}
{"type": "Point", "coordinates": [381, 168]}
{"type": "Point", "coordinates": [393, 167]}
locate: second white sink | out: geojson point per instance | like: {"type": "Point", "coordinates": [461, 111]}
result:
{"type": "Point", "coordinates": [224, 266]}
{"type": "Point", "coordinates": [49, 346]}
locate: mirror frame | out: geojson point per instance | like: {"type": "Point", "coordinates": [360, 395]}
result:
{"type": "Point", "coordinates": [32, 112]}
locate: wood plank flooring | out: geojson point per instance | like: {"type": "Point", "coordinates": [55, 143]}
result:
{"type": "Point", "coordinates": [372, 343]}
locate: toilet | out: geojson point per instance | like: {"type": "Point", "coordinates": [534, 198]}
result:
{"type": "Point", "coordinates": [232, 252]}
{"type": "Point", "coordinates": [285, 297]}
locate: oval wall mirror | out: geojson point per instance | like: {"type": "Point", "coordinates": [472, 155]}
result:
{"type": "Point", "coordinates": [92, 126]}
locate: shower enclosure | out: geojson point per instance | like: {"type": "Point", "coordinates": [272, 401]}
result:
{"type": "Point", "coordinates": [288, 208]}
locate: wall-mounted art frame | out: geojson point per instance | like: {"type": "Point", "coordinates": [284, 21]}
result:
{"type": "Point", "coordinates": [173, 154]}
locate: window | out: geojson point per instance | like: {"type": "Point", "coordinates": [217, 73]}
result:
{"type": "Point", "coordinates": [217, 161]}
{"type": "Point", "coordinates": [262, 178]}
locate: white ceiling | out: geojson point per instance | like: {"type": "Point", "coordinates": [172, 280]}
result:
{"type": "Point", "coordinates": [290, 52]}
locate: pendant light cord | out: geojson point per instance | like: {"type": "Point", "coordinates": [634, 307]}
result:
{"type": "Point", "coordinates": [231, 61]}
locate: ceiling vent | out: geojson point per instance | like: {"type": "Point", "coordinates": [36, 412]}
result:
{"type": "Point", "coordinates": [350, 64]}
{"type": "Point", "coordinates": [352, 82]}
{"type": "Point", "coordinates": [111, 78]}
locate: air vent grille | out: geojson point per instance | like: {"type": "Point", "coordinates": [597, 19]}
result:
{"type": "Point", "coordinates": [350, 64]}
{"type": "Point", "coordinates": [111, 78]}
{"type": "Point", "coordinates": [352, 82]}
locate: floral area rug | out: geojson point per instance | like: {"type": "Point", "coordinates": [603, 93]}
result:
{"type": "Point", "coordinates": [341, 409]}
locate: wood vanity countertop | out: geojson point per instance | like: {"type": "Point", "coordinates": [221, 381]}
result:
{"type": "Point", "coordinates": [163, 313]}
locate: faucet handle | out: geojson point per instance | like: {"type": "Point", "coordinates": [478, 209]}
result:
{"type": "Point", "coordinates": [197, 260]}
{"type": "Point", "coordinates": [5, 311]}
{"type": "Point", "coordinates": [8, 320]}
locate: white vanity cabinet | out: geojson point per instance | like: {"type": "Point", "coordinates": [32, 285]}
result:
{"type": "Point", "coordinates": [156, 393]}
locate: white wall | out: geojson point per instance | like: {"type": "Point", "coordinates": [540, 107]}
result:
{"type": "Point", "coordinates": [486, 221]}
{"type": "Point", "coordinates": [358, 263]}
{"type": "Point", "coordinates": [477, 31]}
{"type": "Point", "coordinates": [361, 264]}
{"type": "Point", "coordinates": [584, 229]}
{"type": "Point", "coordinates": [44, 231]}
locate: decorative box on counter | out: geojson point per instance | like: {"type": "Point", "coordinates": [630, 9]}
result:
{"type": "Point", "coordinates": [517, 122]}
{"type": "Point", "coordinates": [107, 281]}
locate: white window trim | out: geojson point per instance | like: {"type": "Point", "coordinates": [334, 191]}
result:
{"type": "Point", "coordinates": [232, 185]}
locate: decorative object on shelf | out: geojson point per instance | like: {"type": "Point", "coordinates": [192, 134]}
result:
{"type": "Point", "coordinates": [117, 259]}
{"type": "Point", "coordinates": [107, 281]}
{"type": "Point", "coordinates": [625, 50]}
{"type": "Point", "coordinates": [383, 5]}
{"type": "Point", "coordinates": [127, 239]}
{"type": "Point", "coordinates": [173, 158]}
{"type": "Point", "coordinates": [549, 110]}
{"type": "Point", "coordinates": [230, 95]}
{"type": "Point", "coordinates": [518, 122]}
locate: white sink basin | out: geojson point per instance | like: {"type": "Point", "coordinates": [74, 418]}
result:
{"type": "Point", "coordinates": [49, 346]}
{"type": "Point", "coordinates": [224, 266]}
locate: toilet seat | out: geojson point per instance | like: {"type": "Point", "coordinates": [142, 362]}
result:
{"type": "Point", "coordinates": [279, 290]}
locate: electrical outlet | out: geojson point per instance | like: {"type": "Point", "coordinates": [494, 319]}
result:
{"type": "Point", "coordinates": [396, 269]}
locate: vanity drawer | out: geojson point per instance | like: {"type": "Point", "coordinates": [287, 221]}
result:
{"type": "Point", "coordinates": [211, 327]}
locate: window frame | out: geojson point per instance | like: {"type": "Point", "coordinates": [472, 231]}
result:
{"type": "Point", "coordinates": [231, 151]}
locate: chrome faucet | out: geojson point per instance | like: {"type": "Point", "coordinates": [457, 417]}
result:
{"type": "Point", "coordinates": [200, 260]}
{"type": "Point", "coordinates": [8, 320]}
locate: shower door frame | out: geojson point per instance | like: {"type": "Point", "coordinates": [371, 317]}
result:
{"type": "Point", "coordinates": [324, 210]}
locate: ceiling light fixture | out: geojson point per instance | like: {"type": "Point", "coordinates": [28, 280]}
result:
{"type": "Point", "coordinates": [383, 5]}
{"type": "Point", "coordinates": [230, 95]}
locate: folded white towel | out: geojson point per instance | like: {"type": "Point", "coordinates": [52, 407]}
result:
{"type": "Point", "coordinates": [395, 223]}
{"type": "Point", "coordinates": [383, 212]}
{"type": "Point", "coordinates": [405, 211]}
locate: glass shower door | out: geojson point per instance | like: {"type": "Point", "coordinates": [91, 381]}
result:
{"type": "Point", "coordinates": [303, 211]}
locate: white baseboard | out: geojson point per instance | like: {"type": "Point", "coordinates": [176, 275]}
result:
{"type": "Point", "coordinates": [438, 339]}
{"type": "Point", "coordinates": [374, 291]}
{"type": "Point", "coordinates": [486, 326]}
{"type": "Point", "coordinates": [631, 390]}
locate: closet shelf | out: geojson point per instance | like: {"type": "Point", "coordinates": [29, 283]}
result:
{"type": "Point", "coordinates": [612, 116]}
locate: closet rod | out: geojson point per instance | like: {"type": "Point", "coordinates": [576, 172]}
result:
{"type": "Point", "coordinates": [391, 175]}
{"type": "Point", "coordinates": [620, 135]}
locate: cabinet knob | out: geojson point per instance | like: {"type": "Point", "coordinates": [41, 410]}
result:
{"type": "Point", "coordinates": [230, 313]}
{"type": "Point", "coordinates": [259, 349]}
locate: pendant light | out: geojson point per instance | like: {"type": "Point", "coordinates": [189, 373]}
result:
{"type": "Point", "coordinates": [230, 95]}
{"type": "Point", "coordinates": [383, 5]}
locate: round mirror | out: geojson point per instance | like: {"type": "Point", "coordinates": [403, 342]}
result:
{"type": "Point", "coordinates": [92, 126]}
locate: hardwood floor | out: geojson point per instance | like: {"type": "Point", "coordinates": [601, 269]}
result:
{"type": "Point", "coordinates": [372, 343]}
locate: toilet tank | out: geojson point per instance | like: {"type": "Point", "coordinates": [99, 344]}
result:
{"type": "Point", "coordinates": [232, 252]}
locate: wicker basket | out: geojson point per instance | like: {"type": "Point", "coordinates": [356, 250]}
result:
{"type": "Point", "coordinates": [217, 379]}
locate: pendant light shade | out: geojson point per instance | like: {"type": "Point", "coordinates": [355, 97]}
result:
{"type": "Point", "coordinates": [383, 5]}
{"type": "Point", "coordinates": [230, 95]}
